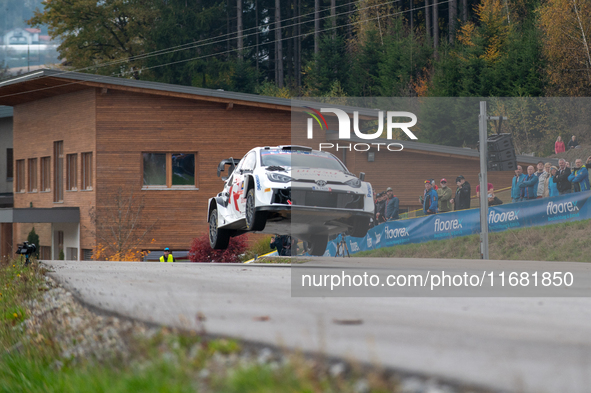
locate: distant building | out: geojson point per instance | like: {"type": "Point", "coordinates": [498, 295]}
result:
{"type": "Point", "coordinates": [20, 36]}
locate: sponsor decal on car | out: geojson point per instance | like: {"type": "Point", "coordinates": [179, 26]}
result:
{"type": "Point", "coordinates": [258, 182]}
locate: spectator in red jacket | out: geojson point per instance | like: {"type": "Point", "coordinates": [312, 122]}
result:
{"type": "Point", "coordinates": [559, 145]}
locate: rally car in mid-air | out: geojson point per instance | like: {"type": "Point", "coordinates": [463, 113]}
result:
{"type": "Point", "coordinates": [289, 190]}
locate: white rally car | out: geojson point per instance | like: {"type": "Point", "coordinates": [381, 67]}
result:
{"type": "Point", "coordinates": [289, 190]}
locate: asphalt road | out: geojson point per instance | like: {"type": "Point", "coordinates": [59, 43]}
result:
{"type": "Point", "coordinates": [517, 344]}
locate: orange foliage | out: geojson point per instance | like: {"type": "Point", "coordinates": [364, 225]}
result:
{"type": "Point", "coordinates": [567, 26]}
{"type": "Point", "coordinates": [102, 252]}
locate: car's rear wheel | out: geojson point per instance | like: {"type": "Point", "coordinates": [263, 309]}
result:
{"type": "Point", "coordinates": [218, 237]}
{"type": "Point", "coordinates": [360, 227]}
{"type": "Point", "coordinates": [255, 221]}
{"type": "Point", "coordinates": [318, 245]}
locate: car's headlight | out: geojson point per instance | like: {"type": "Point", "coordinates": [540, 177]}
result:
{"type": "Point", "coordinates": [278, 177]}
{"type": "Point", "coordinates": [355, 183]}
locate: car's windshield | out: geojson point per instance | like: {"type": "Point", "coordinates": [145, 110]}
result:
{"type": "Point", "coordinates": [305, 159]}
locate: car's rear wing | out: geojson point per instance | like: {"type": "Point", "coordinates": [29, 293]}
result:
{"type": "Point", "coordinates": [222, 167]}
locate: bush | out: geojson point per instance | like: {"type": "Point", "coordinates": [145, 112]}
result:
{"type": "Point", "coordinates": [201, 251]}
{"type": "Point", "coordinates": [33, 238]}
{"type": "Point", "coordinates": [260, 247]}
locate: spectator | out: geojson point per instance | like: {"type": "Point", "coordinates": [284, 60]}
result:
{"type": "Point", "coordinates": [529, 186]}
{"type": "Point", "coordinates": [517, 180]}
{"type": "Point", "coordinates": [579, 177]}
{"type": "Point", "coordinates": [547, 176]}
{"type": "Point", "coordinates": [380, 208]}
{"type": "Point", "coordinates": [559, 145]}
{"type": "Point", "coordinates": [573, 144]}
{"type": "Point", "coordinates": [489, 188]}
{"type": "Point", "coordinates": [493, 199]}
{"type": "Point", "coordinates": [563, 185]}
{"type": "Point", "coordinates": [543, 177]}
{"type": "Point", "coordinates": [552, 189]}
{"type": "Point", "coordinates": [282, 244]}
{"type": "Point", "coordinates": [444, 196]}
{"type": "Point", "coordinates": [462, 199]}
{"type": "Point", "coordinates": [430, 204]}
{"type": "Point", "coordinates": [392, 205]}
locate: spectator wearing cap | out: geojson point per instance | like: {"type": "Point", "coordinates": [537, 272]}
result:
{"type": "Point", "coordinates": [529, 186]}
{"type": "Point", "coordinates": [489, 188]}
{"type": "Point", "coordinates": [552, 188]}
{"type": "Point", "coordinates": [430, 200]}
{"type": "Point", "coordinates": [579, 177]}
{"type": "Point", "coordinates": [461, 200]}
{"type": "Point", "coordinates": [380, 208]}
{"type": "Point", "coordinates": [444, 196]}
{"type": "Point", "coordinates": [493, 200]}
{"type": "Point", "coordinates": [167, 257]}
{"type": "Point", "coordinates": [517, 180]}
{"type": "Point", "coordinates": [392, 205]}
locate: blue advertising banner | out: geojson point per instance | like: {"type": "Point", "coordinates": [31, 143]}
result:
{"type": "Point", "coordinates": [467, 222]}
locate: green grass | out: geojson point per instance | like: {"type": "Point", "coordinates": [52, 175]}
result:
{"type": "Point", "coordinates": [166, 362]}
{"type": "Point", "coordinates": [559, 242]}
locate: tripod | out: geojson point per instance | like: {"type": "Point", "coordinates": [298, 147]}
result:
{"type": "Point", "coordinates": [342, 247]}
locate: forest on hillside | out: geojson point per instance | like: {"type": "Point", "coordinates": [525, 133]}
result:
{"type": "Point", "coordinates": [334, 48]}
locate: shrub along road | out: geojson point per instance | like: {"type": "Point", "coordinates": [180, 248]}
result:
{"type": "Point", "coordinates": [518, 344]}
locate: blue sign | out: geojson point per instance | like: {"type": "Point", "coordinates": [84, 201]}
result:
{"type": "Point", "coordinates": [467, 222]}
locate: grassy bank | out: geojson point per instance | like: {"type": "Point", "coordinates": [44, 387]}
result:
{"type": "Point", "coordinates": [559, 242]}
{"type": "Point", "coordinates": [42, 330]}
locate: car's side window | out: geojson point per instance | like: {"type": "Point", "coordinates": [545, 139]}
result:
{"type": "Point", "coordinates": [249, 162]}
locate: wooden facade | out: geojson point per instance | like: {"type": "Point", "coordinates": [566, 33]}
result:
{"type": "Point", "coordinates": [119, 123]}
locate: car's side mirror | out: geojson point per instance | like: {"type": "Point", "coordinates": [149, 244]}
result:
{"type": "Point", "coordinates": [222, 166]}
{"type": "Point", "coordinates": [362, 176]}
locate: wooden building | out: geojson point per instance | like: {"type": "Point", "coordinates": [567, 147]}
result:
{"type": "Point", "coordinates": [80, 139]}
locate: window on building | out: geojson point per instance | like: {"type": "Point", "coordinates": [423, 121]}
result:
{"type": "Point", "coordinates": [183, 169]}
{"type": "Point", "coordinates": [45, 174]}
{"type": "Point", "coordinates": [86, 172]}
{"type": "Point", "coordinates": [9, 165]}
{"type": "Point", "coordinates": [32, 186]}
{"type": "Point", "coordinates": [72, 172]}
{"type": "Point", "coordinates": [170, 170]}
{"type": "Point", "coordinates": [154, 169]}
{"type": "Point", "coordinates": [58, 171]}
{"type": "Point", "coordinates": [20, 176]}
{"type": "Point", "coordinates": [44, 252]}
{"type": "Point", "coordinates": [86, 254]}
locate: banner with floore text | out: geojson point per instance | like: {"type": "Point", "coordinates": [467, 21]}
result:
{"type": "Point", "coordinates": [536, 212]}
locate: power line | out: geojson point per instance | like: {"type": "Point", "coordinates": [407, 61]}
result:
{"type": "Point", "coordinates": [98, 77]}
{"type": "Point", "coordinates": [198, 44]}
{"type": "Point", "coordinates": [270, 42]}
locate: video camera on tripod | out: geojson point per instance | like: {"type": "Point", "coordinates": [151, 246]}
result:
{"type": "Point", "coordinates": [27, 250]}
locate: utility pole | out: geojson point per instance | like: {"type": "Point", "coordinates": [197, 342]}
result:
{"type": "Point", "coordinates": [483, 146]}
{"type": "Point", "coordinates": [482, 119]}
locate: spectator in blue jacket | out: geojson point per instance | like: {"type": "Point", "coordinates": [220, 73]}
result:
{"type": "Point", "coordinates": [552, 188]}
{"type": "Point", "coordinates": [579, 177]}
{"type": "Point", "coordinates": [517, 180]}
{"type": "Point", "coordinates": [392, 206]}
{"type": "Point", "coordinates": [430, 200]}
{"type": "Point", "coordinates": [529, 186]}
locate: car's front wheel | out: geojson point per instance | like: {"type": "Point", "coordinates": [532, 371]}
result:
{"type": "Point", "coordinates": [360, 227]}
{"type": "Point", "coordinates": [255, 221]}
{"type": "Point", "coordinates": [318, 245]}
{"type": "Point", "coordinates": [218, 237]}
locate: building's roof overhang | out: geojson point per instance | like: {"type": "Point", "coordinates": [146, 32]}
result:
{"type": "Point", "coordinates": [40, 215]}
{"type": "Point", "coordinates": [427, 148]}
{"type": "Point", "coordinates": [49, 83]}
